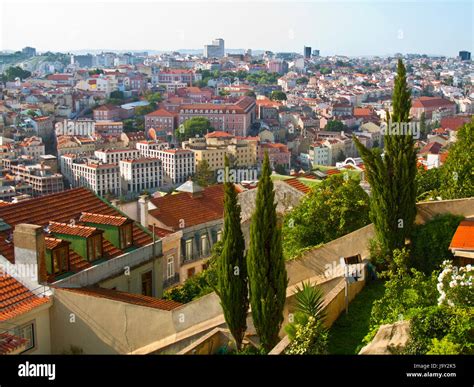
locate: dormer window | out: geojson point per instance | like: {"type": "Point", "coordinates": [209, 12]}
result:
{"type": "Point", "coordinates": [60, 257]}
{"type": "Point", "coordinates": [94, 247]}
{"type": "Point", "coordinates": [126, 238]}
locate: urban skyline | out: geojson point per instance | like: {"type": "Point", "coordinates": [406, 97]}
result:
{"type": "Point", "coordinates": [384, 29]}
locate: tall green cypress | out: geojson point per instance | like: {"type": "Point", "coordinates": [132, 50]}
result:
{"type": "Point", "coordinates": [232, 280]}
{"type": "Point", "coordinates": [392, 177]}
{"type": "Point", "coordinates": [265, 263]}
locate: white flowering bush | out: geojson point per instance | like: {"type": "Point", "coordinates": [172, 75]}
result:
{"type": "Point", "coordinates": [310, 337]}
{"type": "Point", "coordinates": [455, 285]}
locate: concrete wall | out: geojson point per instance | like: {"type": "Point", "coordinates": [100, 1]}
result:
{"type": "Point", "coordinates": [111, 267]}
{"type": "Point", "coordinates": [102, 326]}
{"type": "Point", "coordinates": [427, 210]}
{"type": "Point", "coordinates": [132, 282]}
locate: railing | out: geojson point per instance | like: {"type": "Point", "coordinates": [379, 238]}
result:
{"type": "Point", "coordinates": [171, 281]}
{"type": "Point", "coordinates": [194, 257]}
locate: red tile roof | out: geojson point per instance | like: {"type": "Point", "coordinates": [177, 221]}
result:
{"type": "Point", "coordinates": [431, 148]}
{"type": "Point", "coordinates": [218, 134]}
{"type": "Point", "coordinates": [59, 207]}
{"type": "Point", "coordinates": [161, 113]}
{"type": "Point", "coordinates": [454, 123]}
{"type": "Point", "coordinates": [295, 183]}
{"type": "Point", "coordinates": [88, 217]}
{"type": "Point", "coordinates": [463, 238]}
{"type": "Point", "coordinates": [77, 230]}
{"type": "Point", "coordinates": [432, 102]}
{"type": "Point", "coordinates": [172, 210]}
{"type": "Point", "coordinates": [15, 298]}
{"type": "Point", "coordinates": [52, 243]}
{"type": "Point", "coordinates": [10, 343]}
{"type": "Point", "coordinates": [129, 298]}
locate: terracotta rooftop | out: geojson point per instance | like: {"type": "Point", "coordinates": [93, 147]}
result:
{"type": "Point", "coordinates": [431, 148]}
{"type": "Point", "coordinates": [67, 229]}
{"type": "Point", "coordinates": [129, 298]}
{"type": "Point", "coordinates": [295, 183]}
{"type": "Point", "coordinates": [10, 343]}
{"type": "Point", "coordinates": [59, 207]}
{"type": "Point", "coordinates": [207, 206]}
{"type": "Point", "coordinates": [88, 217]}
{"type": "Point", "coordinates": [463, 238]}
{"type": "Point", "coordinates": [15, 298]}
{"type": "Point", "coordinates": [431, 102]}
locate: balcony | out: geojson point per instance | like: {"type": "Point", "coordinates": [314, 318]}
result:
{"type": "Point", "coordinates": [171, 281]}
{"type": "Point", "coordinates": [194, 257]}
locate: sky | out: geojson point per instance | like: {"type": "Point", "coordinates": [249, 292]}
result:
{"type": "Point", "coordinates": [351, 28]}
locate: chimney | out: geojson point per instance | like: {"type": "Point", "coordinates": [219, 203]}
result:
{"type": "Point", "coordinates": [143, 210]}
{"type": "Point", "coordinates": [28, 241]}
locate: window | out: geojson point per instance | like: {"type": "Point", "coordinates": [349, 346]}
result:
{"type": "Point", "coordinates": [94, 247]}
{"type": "Point", "coordinates": [126, 236]}
{"type": "Point", "coordinates": [219, 235]}
{"type": "Point", "coordinates": [189, 249]}
{"type": "Point", "coordinates": [170, 267]}
{"type": "Point", "coordinates": [60, 260]}
{"type": "Point", "coordinates": [26, 331]}
{"type": "Point", "coordinates": [204, 245]}
{"type": "Point", "coordinates": [147, 283]}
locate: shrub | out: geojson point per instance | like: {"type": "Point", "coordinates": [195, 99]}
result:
{"type": "Point", "coordinates": [310, 337]}
{"type": "Point", "coordinates": [455, 285]}
{"type": "Point", "coordinates": [430, 242]}
{"type": "Point", "coordinates": [443, 347]}
{"type": "Point", "coordinates": [446, 324]}
{"type": "Point", "coordinates": [307, 334]}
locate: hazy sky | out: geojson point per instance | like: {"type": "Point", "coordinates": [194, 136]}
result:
{"type": "Point", "coordinates": [335, 27]}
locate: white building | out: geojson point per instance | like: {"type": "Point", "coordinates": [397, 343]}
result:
{"type": "Point", "coordinates": [32, 146]}
{"type": "Point", "coordinates": [146, 148]}
{"type": "Point", "coordinates": [139, 175]}
{"type": "Point", "coordinates": [100, 178]}
{"type": "Point", "coordinates": [178, 164]}
{"type": "Point", "coordinates": [113, 156]}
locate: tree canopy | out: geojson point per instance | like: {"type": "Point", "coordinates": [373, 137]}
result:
{"type": "Point", "coordinates": [337, 206]}
{"type": "Point", "coordinates": [196, 126]}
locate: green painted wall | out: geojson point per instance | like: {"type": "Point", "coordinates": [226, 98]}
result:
{"type": "Point", "coordinates": [111, 233]}
{"type": "Point", "coordinates": [78, 244]}
{"type": "Point", "coordinates": [49, 261]}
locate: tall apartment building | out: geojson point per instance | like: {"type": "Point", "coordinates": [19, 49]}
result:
{"type": "Point", "coordinates": [113, 156]}
{"type": "Point", "coordinates": [235, 118]}
{"type": "Point", "coordinates": [214, 50]}
{"type": "Point", "coordinates": [100, 178]}
{"type": "Point", "coordinates": [42, 180]}
{"type": "Point", "coordinates": [178, 164]}
{"type": "Point", "coordinates": [138, 175]}
{"type": "Point", "coordinates": [146, 147]}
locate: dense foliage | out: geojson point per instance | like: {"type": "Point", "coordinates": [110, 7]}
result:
{"type": "Point", "coordinates": [458, 177]}
{"type": "Point", "coordinates": [392, 177]}
{"type": "Point", "coordinates": [231, 267]}
{"type": "Point", "coordinates": [265, 263]}
{"type": "Point", "coordinates": [430, 242]}
{"type": "Point", "coordinates": [306, 331]}
{"type": "Point", "coordinates": [196, 126]}
{"type": "Point", "coordinates": [335, 207]}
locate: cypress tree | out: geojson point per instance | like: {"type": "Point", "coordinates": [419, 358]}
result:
{"type": "Point", "coordinates": [232, 281]}
{"type": "Point", "coordinates": [392, 177]}
{"type": "Point", "coordinates": [266, 265]}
